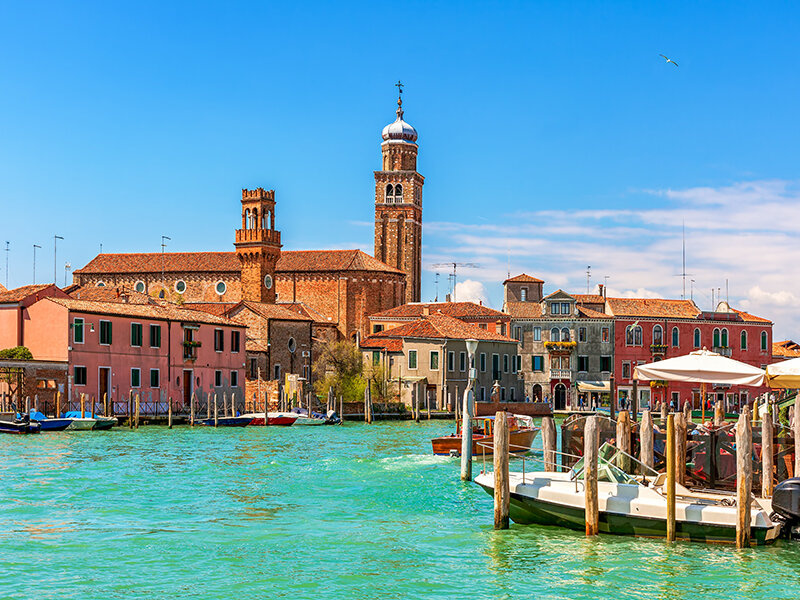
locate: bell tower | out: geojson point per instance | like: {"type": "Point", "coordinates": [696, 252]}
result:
{"type": "Point", "coordinates": [258, 245]}
{"type": "Point", "coordinates": [398, 202]}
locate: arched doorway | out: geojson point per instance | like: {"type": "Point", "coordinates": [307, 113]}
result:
{"type": "Point", "coordinates": [560, 397]}
{"type": "Point", "coordinates": [537, 392]}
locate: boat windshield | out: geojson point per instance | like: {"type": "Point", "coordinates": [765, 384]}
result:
{"type": "Point", "coordinates": [615, 466]}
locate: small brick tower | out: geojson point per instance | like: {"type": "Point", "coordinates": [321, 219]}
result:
{"type": "Point", "coordinates": [258, 245]}
{"type": "Point", "coordinates": [398, 202]}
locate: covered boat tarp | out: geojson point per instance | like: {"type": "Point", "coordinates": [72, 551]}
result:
{"type": "Point", "coordinates": [593, 386]}
{"type": "Point", "coordinates": [702, 366]}
{"type": "Point", "coordinates": [784, 374]}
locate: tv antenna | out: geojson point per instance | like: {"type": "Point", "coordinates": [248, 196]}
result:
{"type": "Point", "coordinates": [453, 275]}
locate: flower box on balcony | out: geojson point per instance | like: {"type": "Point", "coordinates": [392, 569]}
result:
{"type": "Point", "coordinates": [560, 345]}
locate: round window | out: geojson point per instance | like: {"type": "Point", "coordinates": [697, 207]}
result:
{"type": "Point", "coordinates": [101, 284]}
{"type": "Point", "coordinates": [292, 345]}
{"type": "Point", "coordinates": [268, 281]}
{"type": "Point", "coordinates": [180, 286]}
{"type": "Point", "coordinates": [139, 287]}
{"type": "Point", "coordinates": [221, 287]}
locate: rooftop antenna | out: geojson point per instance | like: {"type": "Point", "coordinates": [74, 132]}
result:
{"type": "Point", "coordinates": [691, 288]}
{"type": "Point", "coordinates": [452, 276]}
{"type": "Point", "coordinates": [683, 274]}
{"type": "Point", "coordinates": [67, 268]}
{"type": "Point", "coordinates": [55, 261]}
{"type": "Point", "coordinates": [436, 279]}
{"type": "Point", "coordinates": [101, 247]}
{"type": "Point", "coordinates": [588, 277]}
{"type": "Point", "coordinates": [35, 246]}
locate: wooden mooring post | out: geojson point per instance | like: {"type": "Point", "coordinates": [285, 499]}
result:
{"type": "Point", "coordinates": [502, 496]}
{"type": "Point", "coordinates": [224, 404]}
{"type": "Point", "coordinates": [549, 443]}
{"type": "Point", "coordinates": [58, 405]}
{"type": "Point", "coordinates": [612, 397]}
{"type": "Point", "coordinates": [138, 400]}
{"type": "Point", "coordinates": [744, 478]}
{"type": "Point", "coordinates": [216, 417]}
{"type": "Point", "coordinates": [680, 448]}
{"type": "Point", "coordinates": [646, 440]}
{"type": "Point", "coordinates": [719, 413]}
{"type": "Point", "coordinates": [634, 401]}
{"type": "Point", "coordinates": [670, 451]}
{"type": "Point", "coordinates": [624, 438]}
{"type": "Point", "coordinates": [590, 447]}
{"type": "Point", "coordinates": [169, 413]}
{"type": "Point", "coordinates": [796, 426]}
{"type": "Point", "coordinates": [466, 437]}
{"type": "Point", "coordinates": [191, 409]}
{"type": "Point", "coordinates": [83, 406]}
{"type": "Point", "coordinates": [130, 409]}
{"type": "Point", "coordinates": [687, 413]}
{"type": "Point", "coordinates": [35, 403]}
{"type": "Point", "coordinates": [105, 404]}
{"type": "Point", "coordinates": [341, 407]}
{"type": "Point", "coordinates": [663, 412]}
{"type": "Point", "coordinates": [415, 396]}
{"type": "Point", "coordinates": [767, 458]}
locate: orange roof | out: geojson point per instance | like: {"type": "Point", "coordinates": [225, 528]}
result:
{"type": "Point", "coordinates": [109, 294]}
{"type": "Point", "coordinates": [20, 293]}
{"type": "Point", "coordinates": [146, 311]}
{"type": "Point", "coordinates": [652, 307]}
{"type": "Point", "coordinates": [441, 327]}
{"type": "Point", "coordinates": [589, 298]}
{"type": "Point", "coordinates": [303, 309]}
{"type": "Point", "coordinates": [524, 310]}
{"type": "Point", "coordinates": [523, 278]}
{"type": "Point", "coordinates": [750, 318]}
{"type": "Point", "coordinates": [786, 348]}
{"type": "Point", "coordinates": [2, 288]}
{"type": "Point", "coordinates": [459, 310]}
{"type": "Point", "coordinates": [588, 313]}
{"type": "Point", "coordinates": [270, 311]}
{"type": "Point", "coordinates": [290, 261]}
{"type": "Point", "coordinates": [378, 343]}
{"type": "Point", "coordinates": [214, 308]}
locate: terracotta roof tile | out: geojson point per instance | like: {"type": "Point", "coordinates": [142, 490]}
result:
{"type": "Point", "coordinates": [750, 318]}
{"type": "Point", "coordinates": [459, 310]}
{"type": "Point", "coordinates": [109, 294]}
{"type": "Point", "coordinates": [589, 298]}
{"type": "Point", "coordinates": [214, 308]}
{"type": "Point", "coordinates": [524, 310]}
{"type": "Point", "coordinates": [20, 293]}
{"type": "Point", "coordinates": [441, 327]}
{"type": "Point", "coordinates": [652, 307]}
{"type": "Point", "coordinates": [147, 311]}
{"type": "Point", "coordinates": [179, 262]}
{"type": "Point", "coordinates": [379, 343]}
{"type": "Point", "coordinates": [588, 313]}
{"type": "Point", "coordinates": [270, 311]}
{"type": "Point", "coordinates": [786, 348]}
{"type": "Point", "coordinates": [2, 288]}
{"type": "Point", "coordinates": [558, 291]}
{"type": "Point", "coordinates": [304, 309]}
{"type": "Point", "coordinates": [523, 278]}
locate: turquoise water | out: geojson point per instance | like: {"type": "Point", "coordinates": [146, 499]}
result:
{"type": "Point", "coordinates": [353, 511]}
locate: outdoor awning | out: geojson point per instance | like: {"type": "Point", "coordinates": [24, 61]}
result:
{"type": "Point", "coordinates": [701, 366]}
{"type": "Point", "coordinates": [593, 386]}
{"type": "Point", "coordinates": [784, 374]}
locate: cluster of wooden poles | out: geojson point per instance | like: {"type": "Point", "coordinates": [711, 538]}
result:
{"type": "Point", "coordinates": [675, 451]}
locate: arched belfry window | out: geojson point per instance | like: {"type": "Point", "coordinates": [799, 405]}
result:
{"type": "Point", "coordinates": [255, 219]}
{"type": "Point", "coordinates": [247, 218]}
{"type": "Point", "coordinates": [389, 193]}
{"type": "Point", "coordinates": [398, 194]}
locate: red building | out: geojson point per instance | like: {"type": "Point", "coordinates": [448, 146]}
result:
{"type": "Point", "coordinates": [652, 329]}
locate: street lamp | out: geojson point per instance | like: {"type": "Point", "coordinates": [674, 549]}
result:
{"type": "Point", "coordinates": [466, 414]}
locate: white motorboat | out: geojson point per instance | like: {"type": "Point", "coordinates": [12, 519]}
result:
{"type": "Point", "coordinates": [630, 504]}
{"type": "Point", "coordinates": [81, 424]}
{"type": "Point", "coordinates": [302, 417]}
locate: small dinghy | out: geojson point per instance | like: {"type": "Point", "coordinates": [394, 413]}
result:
{"type": "Point", "coordinates": [521, 435]}
{"type": "Point", "coordinates": [100, 422]}
{"type": "Point", "coordinates": [11, 423]}
{"type": "Point", "coordinates": [303, 417]}
{"type": "Point", "coordinates": [273, 418]}
{"type": "Point", "coordinates": [48, 424]}
{"type": "Point", "coordinates": [79, 423]}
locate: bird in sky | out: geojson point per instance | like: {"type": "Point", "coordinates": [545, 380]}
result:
{"type": "Point", "coordinates": [669, 60]}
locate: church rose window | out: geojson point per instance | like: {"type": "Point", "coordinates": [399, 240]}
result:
{"type": "Point", "coordinates": [268, 281]}
{"type": "Point", "coordinates": [180, 286]}
{"type": "Point", "coordinates": [221, 287]}
{"type": "Point", "coordinates": [139, 287]}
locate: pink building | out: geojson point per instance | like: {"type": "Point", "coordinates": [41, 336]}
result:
{"type": "Point", "coordinates": [652, 329]}
{"type": "Point", "coordinates": [157, 351]}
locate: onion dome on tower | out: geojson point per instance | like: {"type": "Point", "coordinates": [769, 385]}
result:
{"type": "Point", "coordinates": [399, 130]}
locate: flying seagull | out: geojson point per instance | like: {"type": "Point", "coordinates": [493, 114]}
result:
{"type": "Point", "coordinates": [669, 60]}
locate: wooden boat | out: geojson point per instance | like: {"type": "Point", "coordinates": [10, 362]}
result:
{"type": "Point", "coordinates": [629, 504]}
{"type": "Point", "coordinates": [273, 418]}
{"type": "Point", "coordinates": [242, 421]}
{"type": "Point", "coordinates": [18, 426]}
{"type": "Point", "coordinates": [100, 421]}
{"type": "Point", "coordinates": [521, 436]}
{"type": "Point", "coordinates": [302, 417]}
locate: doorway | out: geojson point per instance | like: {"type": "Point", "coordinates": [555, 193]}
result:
{"type": "Point", "coordinates": [188, 386]}
{"type": "Point", "coordinates": [104, 384]}
{"type": "Point", "coordinates": [560, 402]}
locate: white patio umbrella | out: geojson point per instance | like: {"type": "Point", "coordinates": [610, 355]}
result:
{"type": "Point", "coordinates": [702, 366]}
{"type": "Point", "coordinates": [784, 374]}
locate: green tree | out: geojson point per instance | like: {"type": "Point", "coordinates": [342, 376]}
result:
{"type": "Point", "coordinates": [340, 367]}
{"type": "Point", "coordinates": [382, 388]}
{"type": "Point", "coordinates": [12, 376]}
{"type": "Point", "coordinates": [16, 353]}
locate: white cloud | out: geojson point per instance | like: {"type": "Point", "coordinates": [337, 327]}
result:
{"type": "Point", "coordinates": [470, 290]}
{"type": "Point", "coordinates": [743, 236]}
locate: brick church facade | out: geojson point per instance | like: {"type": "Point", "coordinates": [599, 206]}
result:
{"type": "Point", "coordinates": [341, 287]}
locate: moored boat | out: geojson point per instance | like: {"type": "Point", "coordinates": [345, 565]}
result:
{"type": "Point", "coordinates": [48, 424]}
{"type": "Point", "coordinates": [629, 504]}
{"type": "Point", "coordinates": [241, 421]}
{"type": "Point", "coordinates": [10, 423]}
{"type": "Point", "coordinates": [273, 418]}
{"type": "Point", "coordinates": [521, 436]}
{"type": "Point", "coordinates": [100, 421]}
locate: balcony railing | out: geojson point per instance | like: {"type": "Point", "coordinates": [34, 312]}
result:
{"type": "Point", "coordinates": [658, 348]}
{"type": "Point", "coordinates": [560, 374]}
{"type": "Point", "coordinates": [723, 350]}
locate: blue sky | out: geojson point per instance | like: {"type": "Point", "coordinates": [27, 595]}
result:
{"type": "Point", "coordinates": [552, 135]}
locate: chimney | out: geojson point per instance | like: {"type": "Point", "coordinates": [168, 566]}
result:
{"type": "Point", "coordinates": [601, 289]}
{"type": "Point", "coordinates": [426, 310]}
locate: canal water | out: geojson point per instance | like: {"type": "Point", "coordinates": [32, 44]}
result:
{"type": "Point", "coordinates": [353, 511]}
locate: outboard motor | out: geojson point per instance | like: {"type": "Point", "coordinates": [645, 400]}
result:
{"type": "Point", "coordinates": [786, 504]}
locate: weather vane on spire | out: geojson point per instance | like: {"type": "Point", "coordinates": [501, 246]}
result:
{"type": "Point", "coordinates": [399, 87]}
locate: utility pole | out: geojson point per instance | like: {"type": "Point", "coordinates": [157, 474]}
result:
{"type": "Point", "coordinates": [55, 261]}
{"type": "Point", "coordinates": [163, 246]}
{"type": "Point", "coordinates": [35, 246]}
